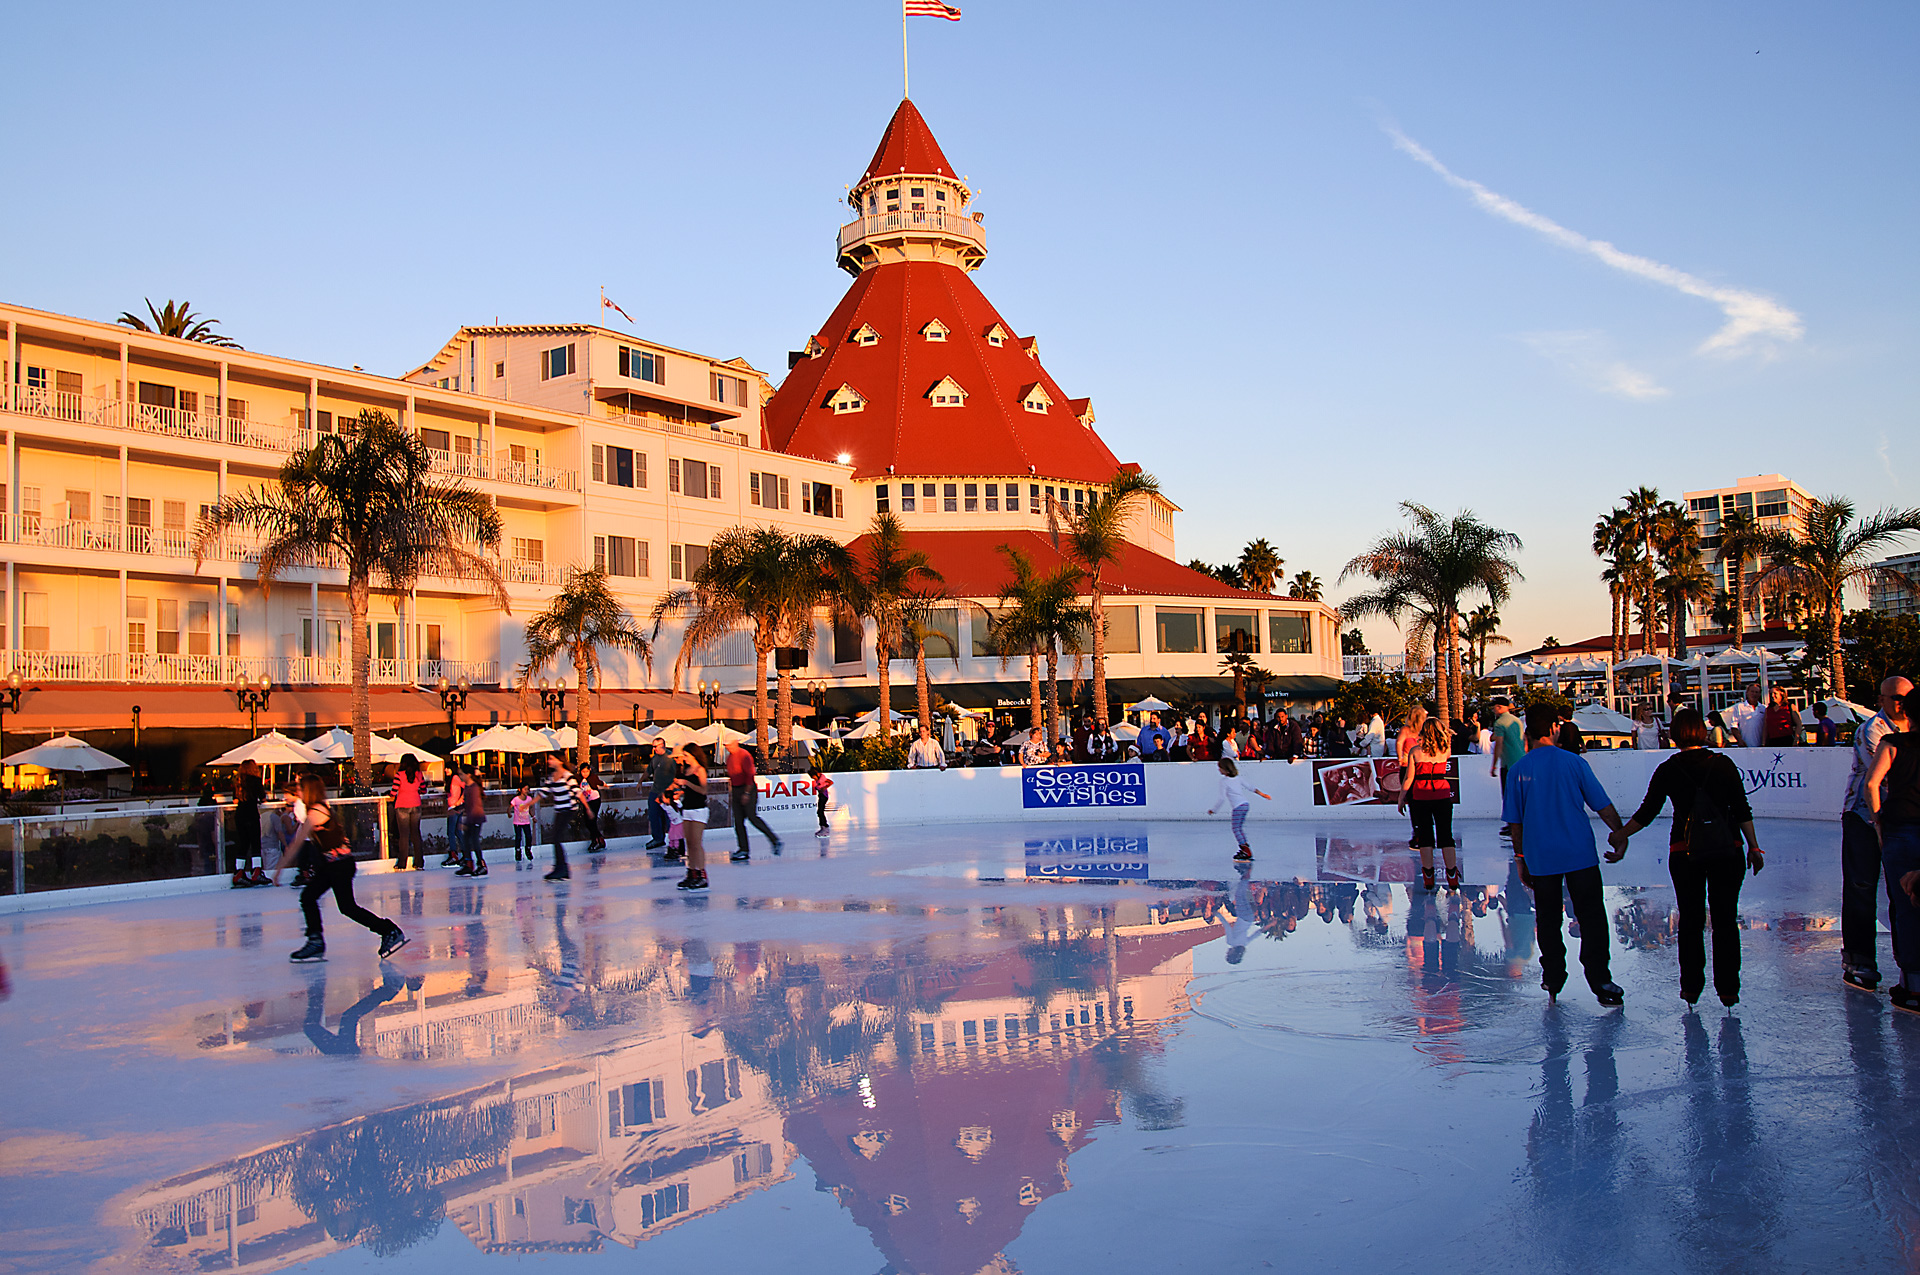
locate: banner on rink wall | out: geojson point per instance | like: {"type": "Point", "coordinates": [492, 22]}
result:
{"type": "Point", "coordinates": [1066, 787]}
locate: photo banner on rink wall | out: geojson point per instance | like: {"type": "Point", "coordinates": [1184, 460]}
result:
{"type": "Point", "coordinates": [1069, 787]}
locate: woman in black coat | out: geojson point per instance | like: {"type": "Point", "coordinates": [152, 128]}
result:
{"type": "Point", "coordinates": [1709, 803]}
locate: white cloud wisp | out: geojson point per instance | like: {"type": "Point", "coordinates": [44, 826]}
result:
{"type": "Point", "coordinates": [1589, 359]}
{"type": "Point", "coordinates": [1752, 319]}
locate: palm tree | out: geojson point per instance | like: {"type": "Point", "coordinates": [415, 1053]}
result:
{"type": "Point", "coordinates": [1742, 537]}
{"type": "Point", "coordinates": [1422, 574]}
{"type": "Point", "coordinates": [770, 579]}
{"type": "Point", "coordinates": [1684, 579]}
{"type": "Point", "coordinates": [1260, 565]}
{"type": "Point", "coordinates": [1642, 511]}
{"type": "Point", "coordinates": [368, 501]}
{"type": "Point", "coordinates": [1613, 543]}
{"type": "Point", "coordinates": [1042, 617]}
{"type": "Point", "coordinates": [177, 319]}
{"type": "Point", "coordinates": [1482, 630]}
{"type": "Point", "coordinates": [881, 588]}
{"type": "Point", "coordinates": [583, 617]}
{"type": "Point", "coordinates": [917, 627]}
{"type": "Point", "coordinates": [1306, 586]}
{"type": "Point", "coordinates": [1097, 539]}
{"type": "Point", "coordinates": [1833, 552]}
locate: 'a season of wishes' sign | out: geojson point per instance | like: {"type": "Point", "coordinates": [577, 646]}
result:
{"type": "Point", "coordinates": [1120, 784]}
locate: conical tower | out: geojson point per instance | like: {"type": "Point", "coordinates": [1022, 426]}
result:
{"type": "Point", "coordinates": [909, 206]}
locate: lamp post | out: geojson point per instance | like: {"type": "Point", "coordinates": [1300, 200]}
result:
{"type": "Point", "coordinates": [453, 698]}
{"type": "Point", "coordinates": [252, 697]}
{"type": "Point", "coordinates": [10, 703]}
{"type": "Point", "coordinates": [553, 697]}
{"type": "Point", "coordinates": [136, 744]}
{"type": "Point", "coordinates": [709, 698]}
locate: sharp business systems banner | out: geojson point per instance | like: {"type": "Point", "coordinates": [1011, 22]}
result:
{"type": "Point", "coordinates": [1116, 784]}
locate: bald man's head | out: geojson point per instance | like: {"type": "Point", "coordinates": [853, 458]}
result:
{"type": "Point", "coordinates": [1892, 692]}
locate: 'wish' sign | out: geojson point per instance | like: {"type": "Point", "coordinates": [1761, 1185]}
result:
{"type": "Point", "coordinates": [1123, 784]}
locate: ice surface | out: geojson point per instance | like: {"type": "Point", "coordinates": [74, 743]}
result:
{"type": "Point", "coordinates": [953, 1050]}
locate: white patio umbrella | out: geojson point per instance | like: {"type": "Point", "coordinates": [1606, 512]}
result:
{"type": "Point", "coordinates": [1149, 705]}
{"type": "Point", "coordinates": [506, 739]}
{"type": "Point", "coordinates": [865, 730]}
{"type": "Point", "coordinates": [65, 752]}
{"type": "Point", "coordinates": [807, 734]}
{"type": "Point", "coordinates": [1596, 719]}
{"type": "Point", "coordinates": [270, 749]}
{"type": "Point", "coordinates": [719, 733]}
{"type": "Point", "coordinates": [562, 738]}
{"type": "Point", "coordinates": [1504, 670]}
{"type": "Point", "coordinates": [1640, 661]}
{"type": "Point", "coordinates": [622, 736]}
{"type": "Point", "coordinates": [1126, 731]}
{"type": "Point", "coordinates": [1733, 655]}
{"type": "Point", "coordinates": [873, 715]}
{"type": "Point", "coordinates": [674, 734]}
{"type": "Point", "coordinates": [334, 744]}
{"type": "Point", "coordinates": [1839, 712]}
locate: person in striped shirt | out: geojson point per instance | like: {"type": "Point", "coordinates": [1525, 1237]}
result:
{"type": "Point", "coordinates": [562, 793]}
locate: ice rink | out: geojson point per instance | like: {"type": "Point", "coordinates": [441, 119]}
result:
{"type": "Point", "coordinates": [943, 1051]}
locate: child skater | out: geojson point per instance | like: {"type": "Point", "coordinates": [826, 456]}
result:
{"type": "Point", "coordinates": [1237, 795]}
{"type": "Point", "coordinates": [821, 786]}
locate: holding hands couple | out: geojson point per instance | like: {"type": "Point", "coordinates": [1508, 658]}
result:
{"type": "Point", "coordinates": [1618, 838]}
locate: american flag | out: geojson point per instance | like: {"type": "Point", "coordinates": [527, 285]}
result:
{"type": "Point", "coordinates": [929, 9]}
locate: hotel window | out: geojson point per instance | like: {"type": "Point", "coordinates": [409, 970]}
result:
{"type": "Point", "coordinates": [906, 498]}
{"type": "Point", "coordinates": [981, 620]}
{"type": "Point", "coordinates": [437, 440]}
{"type": "Point", "coordinates": [1771, 504]}
{"type": "Point", "coordinates": [1236, 631]}
{"type": "Point", "coordinates": [1033, 497]}
{"type": "Point", "coordinates": [917, 192]}
{"type": "Point", "coordinates": [237, 409]}
{"type": "Point", "coordinates": [173, 522]}
{"type": "Point", "coordinates": [1289, 633]}
{"type": "Point", "coordinates": [928, 496]}
{"type": "Point", "coordinates": [684, 561]}
{"type": "Point", "coordinates": [500, 370]}
{"type": "Point", "coordinates": [136, 626]}
{"type": "Point", "coordinates": [36, 630]}
{"type": "Point", "coordinates": [79, 506]}
{"type": "Point", "coordinates": [731, 390]}
{"type": "Point", "coordinates": [846, 399]}
{"type": "Point", "coordinates": [200, 628]}
{"type": "Point", "coordinates": [993, 498]}
{"type": "Point", "coordinates": [996, 336]}
{"type": "Point", "coordinates": [823, 500]}
{"type": "Point", "coordinates": [934, 331]}
{"type": "Point", "coordinates": [950, 498]}
{"type": "Point", "coordinates": [1176, 630]}
{"type": "Point", "coordinates": [643, 365]}
{"type": "Point", "coordinates": [694, 478]}
{"type": "Point", "coordinates": [940, 195]}
{"type": "Point", "coordinates": [525, 550]}
{"type": "Point", "coordinates": [619, 467]}
{"type": "Point", "coordinates": [1123, 631]}
{"type": "Point", "coordinates": [947, 393]}
{"type": "Point", "coordinates": [1036, 400]}
{"type": "Point", "coordinates": [882, 503]}
{"type": "Point", "coordinates": [971, 495]}
{"type": "Point", "coordinates": [865, 335]}
{"type": "Point", "coordinates": [769, 491]}
{"type": "Point", "coordinates": [849, 638]}
{"type": "Point", "coordinates": [166, 627]}
{"type": "Point", "coordinates": [557, 362]}
{"type": "Point", "coordinates": [1079, 501]}
{"type": "Point", "coordinates": [620, 555]}
{"type": "Point", "coordinates": [233, 630]}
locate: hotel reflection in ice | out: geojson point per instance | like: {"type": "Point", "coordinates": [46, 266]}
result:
{"type": "Point", "coordinates": [937, 1095]}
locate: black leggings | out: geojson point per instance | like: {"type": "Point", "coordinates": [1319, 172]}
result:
{"type": "Point", "coordinates": [1702, 891]}
{"type": "Point", "coordinates": [821, 810]}
{"type": "Point", "coordinates": [1429, 818]}
{"type": "Point", "coordinates": [246, 827]}
{"type": "Point", "coordinates": [336, 875]}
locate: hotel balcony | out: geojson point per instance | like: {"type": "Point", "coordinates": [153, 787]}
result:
{"type": "Point", "coordinates": [918, 224]}
{"type": "Point", "coordinates": [209, 427]}
{"type": "Point", "coordinates": [220, 670]}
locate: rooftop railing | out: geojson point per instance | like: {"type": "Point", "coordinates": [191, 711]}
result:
{"type": "Point", "coordinates": [195, 669]}
{"type": "Point", "coordinates": [958, 225]}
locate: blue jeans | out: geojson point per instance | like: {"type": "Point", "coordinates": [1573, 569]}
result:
{"type": "Point", "coordinates": [522, 837]}
{"type": "Point", "coordinates": [1899, 855]}
{"type": "Point", "coordinates": [1240, 824]}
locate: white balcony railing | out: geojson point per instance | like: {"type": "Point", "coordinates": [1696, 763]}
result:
{"type": "Point", "coordinates": [955, 225]}
{"type": "Point", "coordinates": [174, 669]}
{"type": "Point", "coordinates": [286, 436]}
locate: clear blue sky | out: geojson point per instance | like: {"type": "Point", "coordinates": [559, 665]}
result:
{"type": "Point", "coordinates": [1201, 210]}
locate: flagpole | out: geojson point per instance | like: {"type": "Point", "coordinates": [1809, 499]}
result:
{"type": "Point", "coordinates": [905, 91]}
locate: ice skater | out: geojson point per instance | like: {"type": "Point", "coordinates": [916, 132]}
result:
{"type": "Point", "coordinates": [562, 792]}
{"type": "Point", "coordinates": [691, 784]}
{"type": "Point", "coordinates": [1431, 793]}
{"type": "Point", "coordinates": [1236, 795]}
{"type": "Point", "coordinates": [327, 853]}
{"type": "Point", "coordinates": [822, 786]}
{"type": "Point", "coordinates": [1896, 815]}
{"type": "Point", "coordinates": [522, 806]}
{"type": "Point", "coordinates": [473, 821]}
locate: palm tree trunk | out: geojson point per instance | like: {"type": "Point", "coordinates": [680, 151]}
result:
{"type": "Point", "coordinates": [883, 658]}
{"type": "Point", "coordinates": [360, 770]}
{"type": "Point", "coordinates": [1097, 604]}
{"type": "Point", "coordinates": [760, 694]}
{"type": "Point", "coordinates": [1739, 605]}
{"type": "Point", "coordinates": [1838, 656]}
{"type": "Point", "coordinates": [1033, 689]}
{"type": "Point", "coordinates": [922, 685]}
{"type": "Point", "coordinates": [1677, 616]}
{"type": "Point", "coordinates": [1457, 692]}
{"type": "Point", "coordinates": [582, 724]}
{"type": "Point", "coordinates": [783, 710]}
{"type": "Point", "coordinates": [1053, 694]}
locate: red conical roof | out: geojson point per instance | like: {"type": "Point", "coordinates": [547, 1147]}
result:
{"type": "Point", "coordinates": [991, 434]}
{"type": "Point", "coordinates": [907, 147]}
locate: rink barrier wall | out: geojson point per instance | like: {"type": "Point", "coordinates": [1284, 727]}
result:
{"type": "Point", "coordinates": [1787, 783]}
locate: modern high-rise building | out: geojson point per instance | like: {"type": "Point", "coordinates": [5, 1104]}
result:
{"type": "Point", "coordinates": [1779, 503]}
{"type": "Point", "coordinates": [1893, 588]}
{"type": "Point", "coordinates": [915, 397]}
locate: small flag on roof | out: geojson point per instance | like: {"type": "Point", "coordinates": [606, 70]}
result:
{"type": "Point", "coordinates": [929, 9]}
{"type": "Point", "coordinates": [606, 303]}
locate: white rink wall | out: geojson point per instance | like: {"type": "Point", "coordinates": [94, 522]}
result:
{"type": "Point", "coordinates": [1791, 783]}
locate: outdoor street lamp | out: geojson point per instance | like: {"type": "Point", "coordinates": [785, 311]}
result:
{"type": "Point", "coordinates": [10, 703]}
{"type": "Point", "coordinates": [136, 743]}
{"type": "Point", "coordinates": [253, 697]}
{"type": "Point", "coordinates": [553, 697]}
{"type": "Point", "coordinates": [453, 699]}
{"type": "Point", "coordinates": [709, 698]}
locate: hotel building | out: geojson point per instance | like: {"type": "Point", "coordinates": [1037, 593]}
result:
{"type": "Point", "coordinates": [1779, 503]}
{"type": "Point", "coordinates": [914, 397]}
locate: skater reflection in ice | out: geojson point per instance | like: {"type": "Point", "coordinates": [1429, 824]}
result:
{"type": "Point", "coordinates": [344, 1040]}
{"type": "Point", "coordinates": [1239, 911]}
{"type": "Point", "coordinates": [1577, 1161]}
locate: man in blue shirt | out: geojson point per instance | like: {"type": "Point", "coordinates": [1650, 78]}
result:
{"type": "Point", "coordinates": [1549, 792]}
{"type": "Point", "coordinates": [1153, 740]}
